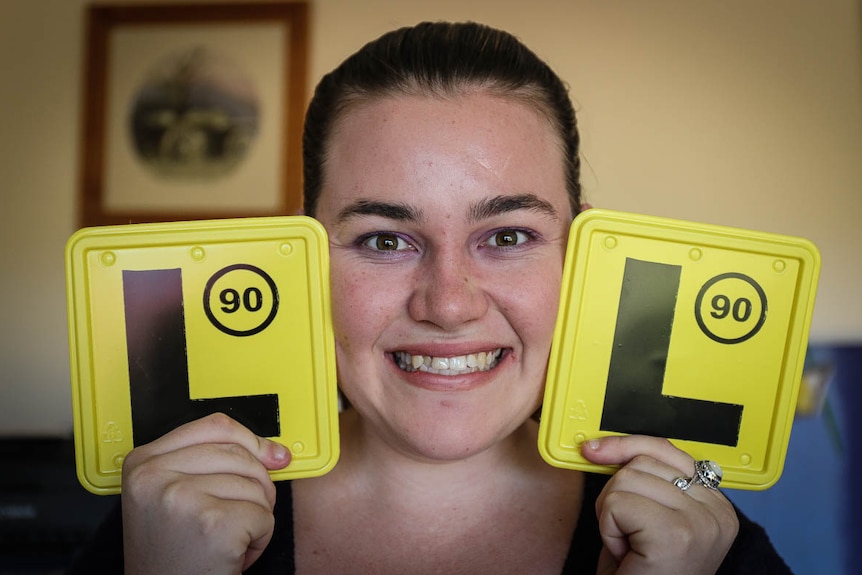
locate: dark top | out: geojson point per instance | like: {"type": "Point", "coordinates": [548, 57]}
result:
{"type": "Point", "coordinates": [751, 552]}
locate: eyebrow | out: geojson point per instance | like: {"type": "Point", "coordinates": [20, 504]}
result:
{"type": "Point", "coordinates": [392, 211]}
{"type": "Point", "coordinates": [495, 206]}
{"type": "Point", "coordinates": [482, 210]}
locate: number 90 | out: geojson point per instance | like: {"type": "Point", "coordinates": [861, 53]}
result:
{"type": "Point", "coordinates": [251, 300]}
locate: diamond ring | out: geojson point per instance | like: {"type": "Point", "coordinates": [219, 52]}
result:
{"type": "Point", "coordinates": [706, 472]}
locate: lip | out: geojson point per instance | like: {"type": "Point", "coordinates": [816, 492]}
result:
{"type": "Point", "coordinates": [449, 383]}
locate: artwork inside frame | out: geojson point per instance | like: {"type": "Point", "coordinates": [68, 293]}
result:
{"type": "Point", "coordinates": [193, 111]}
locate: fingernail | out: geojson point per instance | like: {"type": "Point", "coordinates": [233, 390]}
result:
{"type": "Point", "coordinates": [279, 452]}
{"type": "Point", "coordinates": [594, 444]}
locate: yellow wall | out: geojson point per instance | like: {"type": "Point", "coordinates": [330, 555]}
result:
{"type": "Point", "coordinates": [742, 112]}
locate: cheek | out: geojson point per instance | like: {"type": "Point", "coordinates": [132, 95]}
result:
{"type": "Point", "coordinates": [349, 307]}
{"type": "Point", "coordinates": [362, 305]}
{"type": "Point", "coordinates": [531, 306]}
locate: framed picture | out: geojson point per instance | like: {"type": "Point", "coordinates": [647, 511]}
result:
{"type": "Point", "coordinates": [193, 111]}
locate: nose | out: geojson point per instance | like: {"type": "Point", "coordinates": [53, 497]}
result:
{"type": "Point", "coordinates": [448, 292]}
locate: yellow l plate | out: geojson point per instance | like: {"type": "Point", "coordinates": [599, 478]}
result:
{"type": "Point", "coordinates": [170, 322]}
{"type": "Point", "coordinates": [692, 332]}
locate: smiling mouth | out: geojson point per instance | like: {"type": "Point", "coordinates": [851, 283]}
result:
{"type": "Point", "coordinates": [457, 365]}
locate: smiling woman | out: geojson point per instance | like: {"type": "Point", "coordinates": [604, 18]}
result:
{"type": "Point", "coordinates": [443, 161]}
{"type": "Point", "coordinates": [449, 289]}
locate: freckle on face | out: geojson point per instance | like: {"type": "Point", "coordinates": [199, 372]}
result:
{"type": "Point", "coordinates": [443, 171]}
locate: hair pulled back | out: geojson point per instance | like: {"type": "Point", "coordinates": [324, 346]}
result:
{"type": "Point", "coordinates": [444, 60]}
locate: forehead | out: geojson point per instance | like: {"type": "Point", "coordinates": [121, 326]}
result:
{"type": "Point", "coordinates": [397, 146]}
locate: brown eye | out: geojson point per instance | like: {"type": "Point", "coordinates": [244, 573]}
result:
{"type": "Point", "coordinates": [508, 238]}
{"type": "Point", "coordinates": [385, 243]}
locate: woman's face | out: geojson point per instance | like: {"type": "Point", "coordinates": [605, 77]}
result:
{"type": "Point", "coordinates": [448, 221]}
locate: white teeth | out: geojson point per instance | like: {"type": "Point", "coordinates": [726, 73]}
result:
{"type": "Point", "coordinates": [439, 363]}
{"type": "Point", "coordinates": [416, 361]}
{"type": "Point", "coordinates": [457, 365]}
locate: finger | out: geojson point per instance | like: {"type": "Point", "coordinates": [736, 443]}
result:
{"type": "Point", "coordinates": [210, 459]}
{"type": "Point", "coordinates": [619, 450]}
{"type": "Point", "coordinates": [220, 521]}
{"type": "Point", "coordinates": [647, 477]}
{"type": "Point", "coordinates": [627, 524]}
{"type": "Point", "coordinates": [646, 537]}
{"type": "Point", "coordinates": [186, 492]}
{"type": "Point", "coordinates": [255, 550]}
{"type": "Point", "coordinates": [219, 428]}
{"type": "Point", "coordinates": [217, 458]}
{"type": "Point", "coordinates": [607, 564]}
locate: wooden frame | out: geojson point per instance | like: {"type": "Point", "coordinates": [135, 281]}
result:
{"type": "Point", "coordinates": [115, 184]}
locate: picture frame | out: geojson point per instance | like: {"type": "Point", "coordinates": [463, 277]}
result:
{"type": "Point", "coordinates": [192, 111]}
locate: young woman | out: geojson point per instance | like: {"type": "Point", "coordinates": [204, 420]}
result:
{"type": "Point", "coordinates": [443, 161]}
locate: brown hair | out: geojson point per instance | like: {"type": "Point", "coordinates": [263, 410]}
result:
{"type": "Point", "coordinates": [440, 59]}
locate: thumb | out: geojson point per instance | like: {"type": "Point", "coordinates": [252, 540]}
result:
{"type": "Point", "coordinates": [272, 454]}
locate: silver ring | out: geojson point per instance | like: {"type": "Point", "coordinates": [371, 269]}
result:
{"type": "Point", "coordinates": [683, 483]}
{"type": "Point", "coordinates": [706, 472]}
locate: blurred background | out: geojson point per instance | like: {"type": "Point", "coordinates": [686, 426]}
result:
{"type": "Point", "coordinates": [745, 113]}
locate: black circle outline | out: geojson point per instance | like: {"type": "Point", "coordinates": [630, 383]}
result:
{"type": "Point", "coordinates": [220, 326]}
{"type": "Point", "coordinates": [699, 300]}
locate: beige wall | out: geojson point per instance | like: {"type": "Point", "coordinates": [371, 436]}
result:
{"type": "Point", "coordinates": [742, 112]}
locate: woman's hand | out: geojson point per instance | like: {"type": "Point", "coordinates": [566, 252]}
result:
{"type": "Point", "coordinates": [647, 524]}
{"type": "Point", "coordinates": [199, 499]}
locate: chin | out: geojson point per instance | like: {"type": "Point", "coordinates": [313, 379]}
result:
{"type": "Point", "coordinates": [447, 449]}
{"type": "Point", "coordinates": [454, 433]}
{"type": "Point", "coordinates": [429, 417]}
